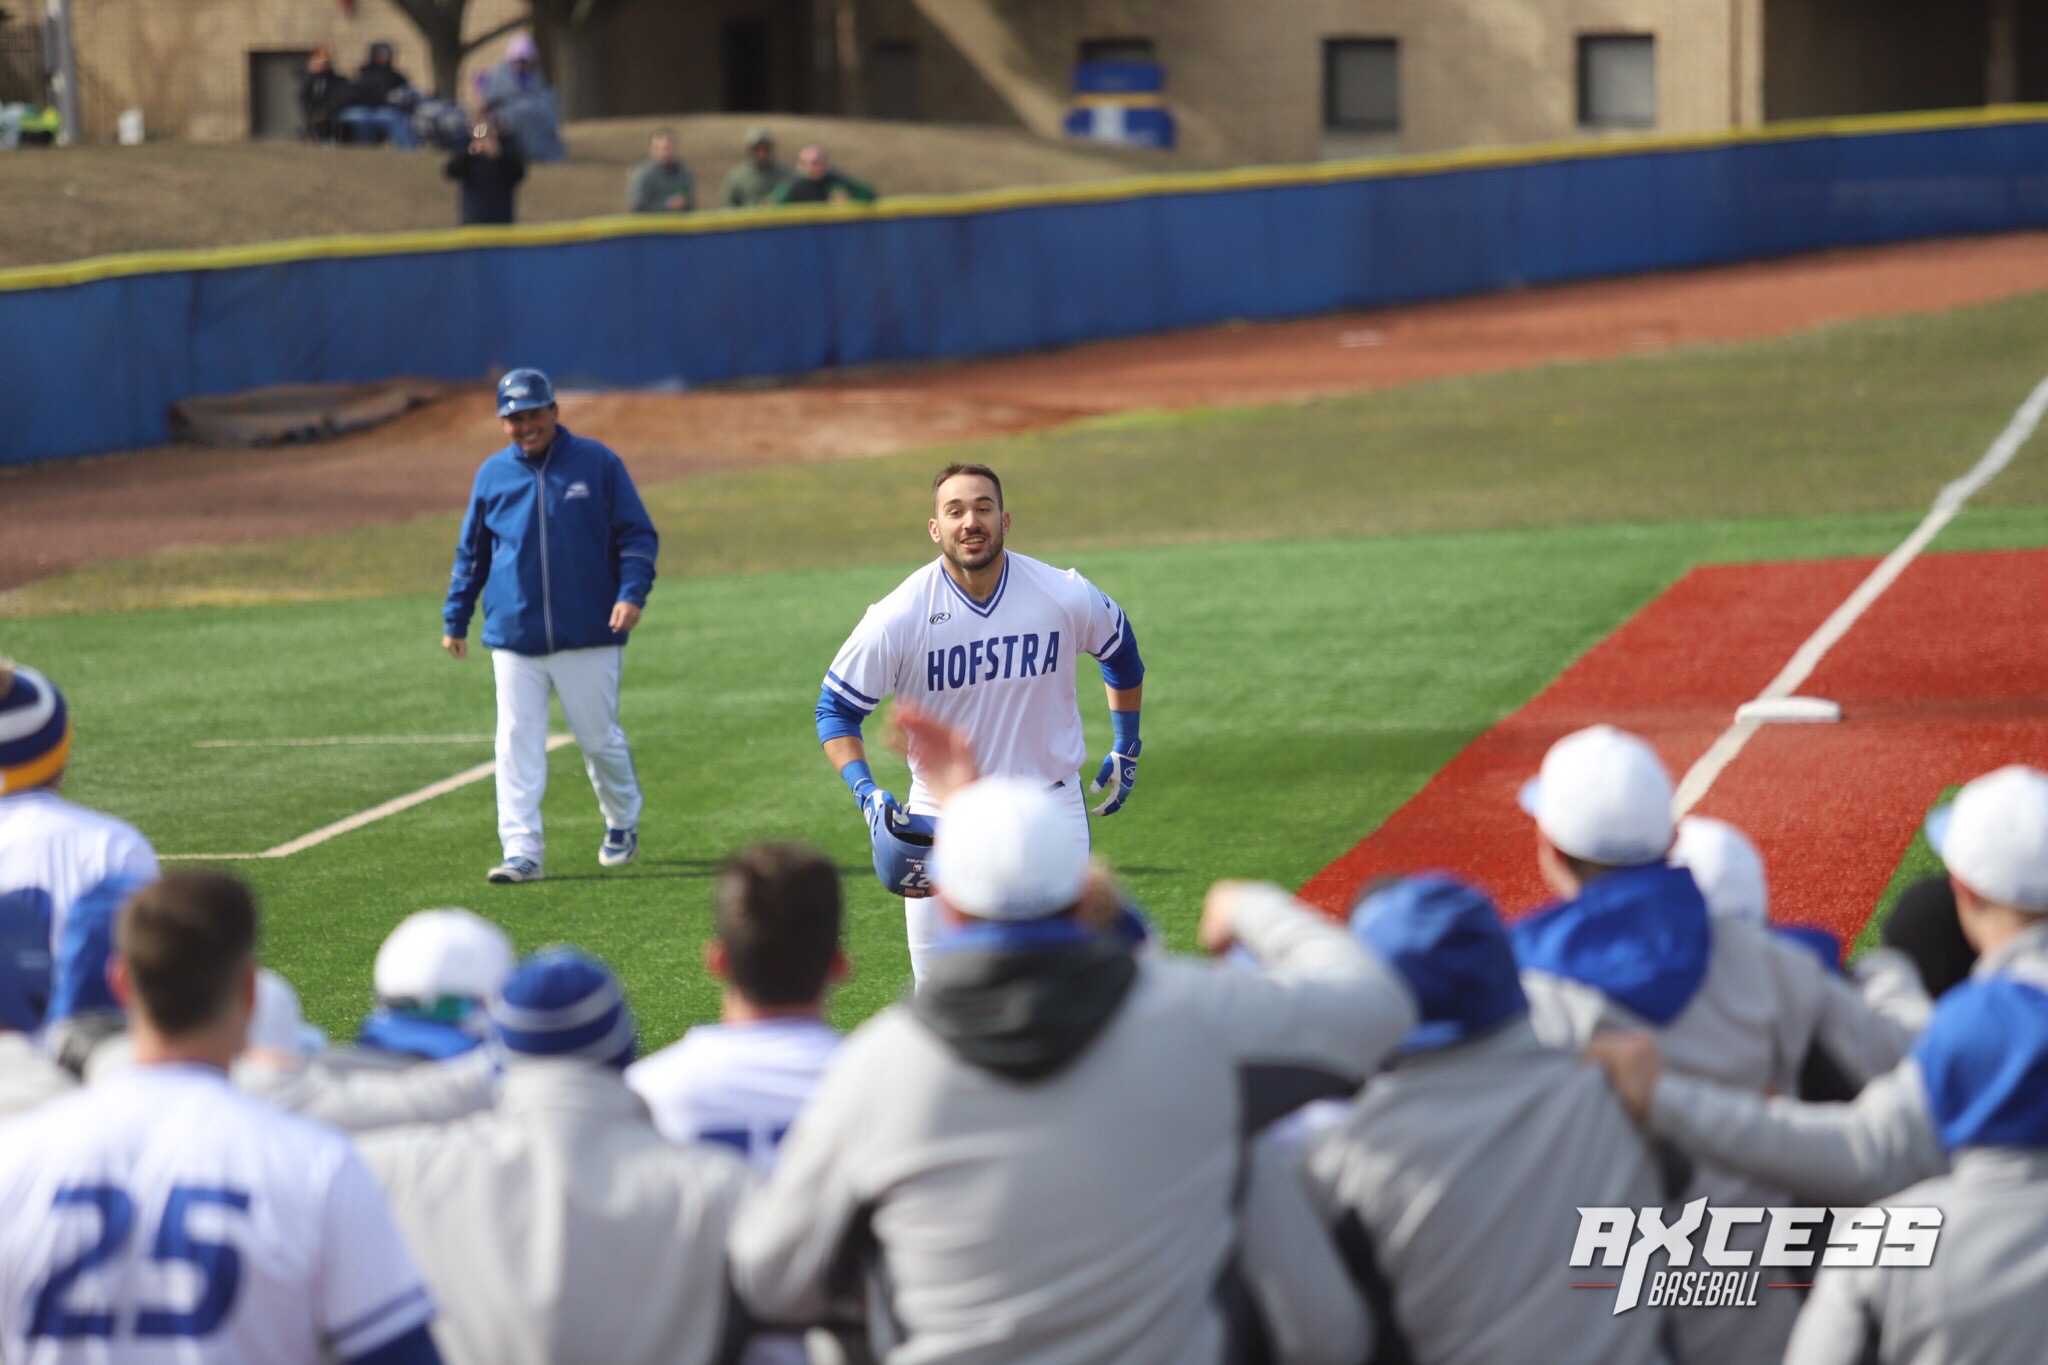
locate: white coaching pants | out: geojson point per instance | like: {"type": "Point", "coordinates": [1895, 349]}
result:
{"type": "Point", "coordinates": [587, 681]}
{"type": "Point", "coordinates": [922, 921]}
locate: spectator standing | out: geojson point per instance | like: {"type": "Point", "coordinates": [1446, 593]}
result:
{"type": "Point", "coordinates": [162, 1214]}
{"type": "Point", "coordinates": [489, 170]}
{"type": "Point", "coordinates": [758, 176]}
{"type": "Point", "coordinates": [561, 1227]}
{"type": "Point", "coordinates": [380, 102]}
{"type": "Point", "coordinates": [1045, 1144]}
{"type": "Point", "coordinates": [815, 182]}
{"type": "Point", "coordinates": [1476, 1145]}
{"type": "Point", "coordinates": [661, 183]}
{"type": "Point", "coordinates": [518, 98]}
{"type": "Point", "coordinates": [323, 93]}
{"type": "Point", "coordinates": [742, 1081]}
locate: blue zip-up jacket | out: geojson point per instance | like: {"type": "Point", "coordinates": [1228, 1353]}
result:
{"type": "Point", "coordinates": [551, 545]}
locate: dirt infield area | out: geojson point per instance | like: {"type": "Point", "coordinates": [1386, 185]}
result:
{"type": "Point", "coordinates": [67, 513]}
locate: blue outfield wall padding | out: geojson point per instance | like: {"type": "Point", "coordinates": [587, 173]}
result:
{"type": "Point", "coordinates": [95, 365]}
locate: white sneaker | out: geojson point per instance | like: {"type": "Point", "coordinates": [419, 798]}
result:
{"type": "Point", "coordinates": [515, 870]}
{"type": "Point", "coordinates": [619, 847]}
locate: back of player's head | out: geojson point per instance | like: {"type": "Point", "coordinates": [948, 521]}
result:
{"type": "Point", "coordinates": [776, 911]}
{"type": "Point", "coordinates": [188, 941]}
{"type": "Point", "coordinates": [35, 729]}
{"type": "Point", "coordinates": [1603, 798]}
{"type": "Point", "coordinates": [1006, 849]}
{"type": "Point", "coordinates": [1446, 940]}
{"type": "Point", "coordinates": [979, 471]}
{"type": "Point", "coordinates": [443, 962]}
{"type": "Point", "coordinates": [565, 1004]}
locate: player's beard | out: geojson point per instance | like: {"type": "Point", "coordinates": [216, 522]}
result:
{"type": "Point", "coordinates": [969, 559]}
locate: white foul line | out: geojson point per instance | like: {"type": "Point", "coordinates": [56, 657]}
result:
{"type": "Point", "coordinates": [361, 818]}
{"type": "Point", "coordinates": [326, 740]}
{"type": "Point", "coordinates": [1702, 775]}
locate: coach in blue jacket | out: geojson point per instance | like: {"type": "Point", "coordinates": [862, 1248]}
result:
{"type": "Point", "coordinates": [557, 543]}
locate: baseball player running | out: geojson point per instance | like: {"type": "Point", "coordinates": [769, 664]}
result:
{"type": "Point", "coordinates": [560, 548]}
{"type": "Point", "coordinates": [984, 640]}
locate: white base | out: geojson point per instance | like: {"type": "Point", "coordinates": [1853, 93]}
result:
{"type": "Point", "coordinates": [1788, 710]}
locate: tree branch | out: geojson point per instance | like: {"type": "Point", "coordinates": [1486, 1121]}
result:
{"type": "Point", "coordinates": [472, 44]}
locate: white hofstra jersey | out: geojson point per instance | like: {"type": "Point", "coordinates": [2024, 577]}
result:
{"type": "Point", "coordinates": [1001, 671]}
{"type": "Point", "coordinates": [164, 1216]}
{"type": "Point", "coordinates": [737, 1084]}
{"type": "Point", "coordinates": [64, 850]}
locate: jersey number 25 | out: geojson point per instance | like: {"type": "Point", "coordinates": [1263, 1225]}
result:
{"type": "Point", "coordinates": [219, 1265]}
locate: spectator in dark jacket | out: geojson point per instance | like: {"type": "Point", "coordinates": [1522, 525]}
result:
{"type": "Point", "coordinates": [322, 93]}
{"type": "Point", "coordinates": [815, 182]}
{"type": "Point", "coordinates": [380, 102]}
{"type": "Point", "coordinates": [489, 169]}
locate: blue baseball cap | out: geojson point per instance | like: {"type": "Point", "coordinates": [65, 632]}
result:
{"type": "Point", "coordinates": [1447, 942]}
{"type": "Point", "coordinates": [523, 391]}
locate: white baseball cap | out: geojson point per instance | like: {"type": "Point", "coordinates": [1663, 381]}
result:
{"type": "Point", "coordinates": [1727, 867]}
{"type": "Point", "coordinates": [1007, 850]}
{"type": "Point", "coordinates": [434, 954]}
{"type": "Point", "coordinates": [1602, 795]}
{"type": "Point", "coordinates": [278, 1024]}
{"type": "Point", "coordinates": [1994, 837]}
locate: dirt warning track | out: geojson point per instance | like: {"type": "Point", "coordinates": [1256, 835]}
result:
{"type": "Point", "coordinates": [72, 512]}
{"type": "Point", "coordinates": [1943, 679]}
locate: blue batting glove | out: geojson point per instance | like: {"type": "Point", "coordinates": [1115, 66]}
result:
{"type": "Point", "coordinates": [1118, 771]}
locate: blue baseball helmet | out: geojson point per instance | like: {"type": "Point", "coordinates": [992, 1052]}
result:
{"type": "Point", "coordinates": [903, 846]}
{"type": "Point", "coordinates": [523, 391]}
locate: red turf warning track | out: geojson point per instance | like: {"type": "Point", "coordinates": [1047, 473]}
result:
{"type": "Point", "coordinates": [1946, 677]}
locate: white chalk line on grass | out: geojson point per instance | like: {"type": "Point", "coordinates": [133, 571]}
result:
{"type": "Point", "coordinates": [323, 741]}
{"type": "Point", "coordinates": [361, 818]}
{"type": "Point", "coordinates": [1700, 778]}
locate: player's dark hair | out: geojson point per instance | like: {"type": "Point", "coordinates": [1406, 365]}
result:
{"type": "Point", "coordinates": [981, 471]}
{"type": "Point", "coordinates": [187, 939]}
{"type": "Point", "coordinates": [776, 910]}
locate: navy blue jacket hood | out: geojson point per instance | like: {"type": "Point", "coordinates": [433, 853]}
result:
{"type": "Point", "coordinates": [1639, 935]}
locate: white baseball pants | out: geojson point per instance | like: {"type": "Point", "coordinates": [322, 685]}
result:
{"type": "Point", "coordinates": [923, 922]}
{"type": "Point", "coordinates": [587, 681]}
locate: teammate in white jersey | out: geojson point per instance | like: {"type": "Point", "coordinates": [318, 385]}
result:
{"type": "Point", "coordinates": [52, 851]}
{"type": "Point", "coordinates": [741, 1081]}
{"type": "Point", "coordinates": [162, 1215]}
{"type": "Point", "coordinates": [985, 640]}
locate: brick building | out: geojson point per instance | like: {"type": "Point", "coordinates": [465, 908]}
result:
{"type": "Point", "coordinates": [1253, 80]}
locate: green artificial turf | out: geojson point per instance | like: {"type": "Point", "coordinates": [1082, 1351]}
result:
{"type": "Point", "coordinates": [1299, 691]}
{"type": "Point", "coordinates": [1866, 416]}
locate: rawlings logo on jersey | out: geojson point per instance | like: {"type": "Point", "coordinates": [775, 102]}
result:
{"type": "Point", "coordinates": [939, 618]}
{"type": "Point", "coordinates": [1000, 656]}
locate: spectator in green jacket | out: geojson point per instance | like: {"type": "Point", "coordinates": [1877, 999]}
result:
{"type": "Point", "coordinates": [755, 180]}
{"type": "Point", "coordinates": [661, 183]}
{"type": "Point", "coordinates": [816, 182]}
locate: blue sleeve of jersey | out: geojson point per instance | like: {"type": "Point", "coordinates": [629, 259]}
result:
{"type": "Point", "coordinates": [838, 718]}
{"type": "Point", "coordinates": [472, 565]}
{"type": "Point", "coordinates": [633, 530]}
{"type": "Point", "coordinates": [414, 1348]}
{"type": "Point", "coordinates": [1121, 667]}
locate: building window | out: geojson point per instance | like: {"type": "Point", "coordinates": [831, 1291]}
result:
{"type": "Point", "coordinates": [1117, 50]}
{"type": "Point", "coordinates": [892, 81]}
{"type": "Point", "coordinates": [1617, 80]}
{"type": "Point", "coordinates": [1362, 85]}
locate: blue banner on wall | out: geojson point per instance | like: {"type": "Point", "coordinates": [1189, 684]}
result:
{"type": "Point", "coordinates": [94, 366]}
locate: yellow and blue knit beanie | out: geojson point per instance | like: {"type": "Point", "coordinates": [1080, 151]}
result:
{"type": "Point", "coordinates": [35, 729]}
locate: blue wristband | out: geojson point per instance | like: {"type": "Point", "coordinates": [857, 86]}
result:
{"type": "Point", "coordinates": [857, 776]}
{"type": "Point", "coordinates": [1124, 724]}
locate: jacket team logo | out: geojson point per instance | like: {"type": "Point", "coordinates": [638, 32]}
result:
{"type": "Point", "coordinates": [1858, 1238]}
{"type": "Point", "coordinates": [578, 489]}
